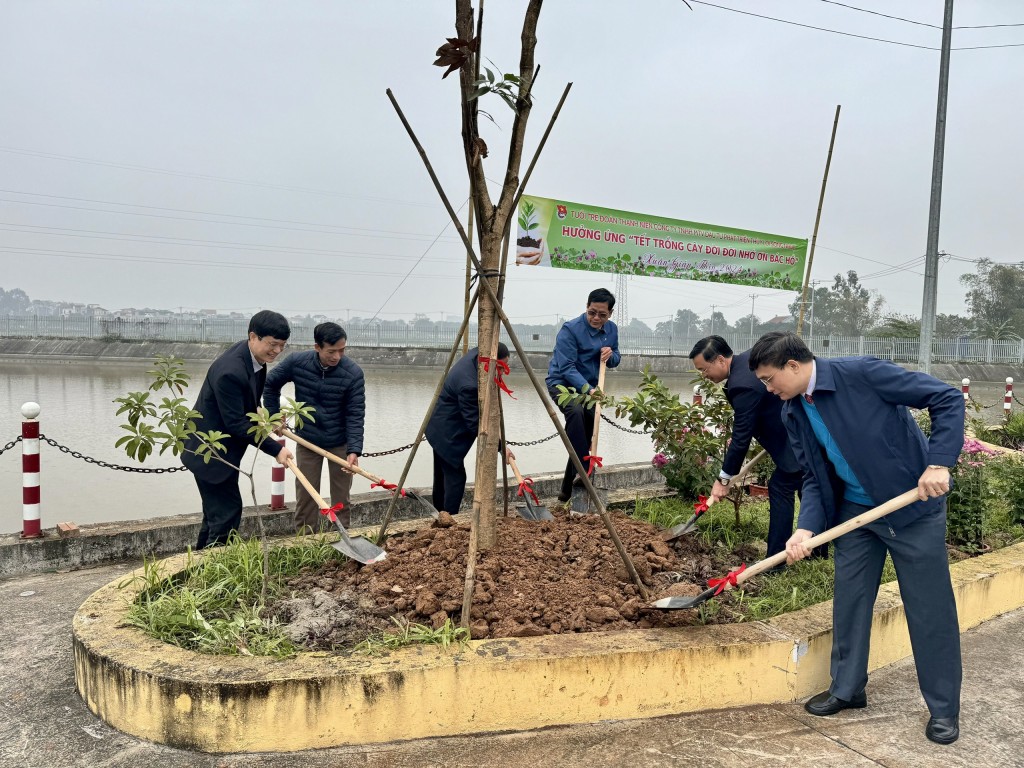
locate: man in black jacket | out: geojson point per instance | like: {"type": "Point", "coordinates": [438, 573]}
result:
{"type": "Point", "coordinates": [334, 385]}
{"type": "Point", "coordinates": [757, 415]}
{"type": "Point", "coordinates": [233, 387]}
{"type": "Point", "coordinates": [453, 427]}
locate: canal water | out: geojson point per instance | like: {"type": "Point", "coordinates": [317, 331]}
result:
{"type": "Point", "coordinates": [78, 412]}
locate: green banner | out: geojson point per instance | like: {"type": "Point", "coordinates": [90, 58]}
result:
{"type": "Point", "coordinates": [564, 235]}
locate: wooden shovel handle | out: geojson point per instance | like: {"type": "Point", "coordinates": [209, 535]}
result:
{"type": "Point", "coordinates": [515, 471]}
{"type": "Point", "coordinates": [330, 456]}
{"type": "Point", "coordinates": [903, 500]}
{"type": "Point", "coordinates": [597, 409]}
{"type": "Point", "coordinates": [307, 485]}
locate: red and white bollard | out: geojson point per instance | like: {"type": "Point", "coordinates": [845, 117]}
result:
{"type": "Point", "coordinates": [965, 387]}
{"type": "Point", "coordinates": [31, 526]}
{"type": "Point", "coordinates": [698, 398]}
{"type": "Point", "coordinates": [1008, 397]}
{"type": "Point", "coordinates": [277, 483]}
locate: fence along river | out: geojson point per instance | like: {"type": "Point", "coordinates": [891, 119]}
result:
{"type": "Point", "coordinates": [78, 412]}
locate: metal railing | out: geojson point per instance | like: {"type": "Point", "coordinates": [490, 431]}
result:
{"type": "Point", "coordinates": [379, 335]}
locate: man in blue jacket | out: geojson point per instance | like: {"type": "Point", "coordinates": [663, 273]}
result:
{"type": "Point", "coordinates": [757, 415]}
{"type": "Point", "coordinates": [582, 343]}
{"type": "Point", "coordinates": [453, 428]}
{"type": "Point", "coordinates": [851, 430]}
{"type": "Point", "coordinates": [333, 384]}
{"type": "Point", "coordinates": [231, 390]}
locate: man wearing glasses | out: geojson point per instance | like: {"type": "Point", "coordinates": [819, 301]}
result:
{"type": "Point", "coordinates": [850, 428]}
{"type": "Point", "coordinates": [757, 415]}
{"type": "Point", "coordinates": [232, 388]}
{"type": "Point", "coordinates": [582, 343]}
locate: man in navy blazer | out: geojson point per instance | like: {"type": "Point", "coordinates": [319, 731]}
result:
{"type": "Point", "coordinates": [453, 428]}
{"type": "Point", "coordinates": [851, 430]}
{"type": "Point", "coordinates": [758, 414]}
{"type": "Point", "coordinates": [232, 388]}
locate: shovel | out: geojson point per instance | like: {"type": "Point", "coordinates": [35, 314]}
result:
{"type": "Point", "coordinates": [580, 502]}
{"type": "Point", "coordinates": [691, 524]}
{"type": "Point", "coordinates": [358, 548]}
{"type": "Point", "coordinates": [534, 510]}
{"type": "Point", "coordinates": [358, 470]}
{"type": "Point", "coordinates": [736, 577]}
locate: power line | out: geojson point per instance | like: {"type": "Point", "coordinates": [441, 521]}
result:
{"type": "Point", "coordinates": [851, 34]}
{"type": "Point", "coordinates": [919, 23]}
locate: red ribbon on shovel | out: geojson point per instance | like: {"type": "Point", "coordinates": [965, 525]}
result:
{"type": "Point", "coordinates": [330, 513]}
{"type": "Point", "coordinates": [527, 487]}
{"type": "Point", "coordinates": [501, 369]}
{"type": "Point", "coordinates": [386, 486]}
{"type": "Point", "coordinates": [701, 506]}
{"type": "Point", "coordinates": [593, 462]}
{"type": "Point", "coordinates": [729, 580]}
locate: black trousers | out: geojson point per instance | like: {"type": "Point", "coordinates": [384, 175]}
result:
{"type": "Point", "coordinates": [579, 426]}
{"type": "Point", "coordinates": [918, 551]}
{"type": "Point", "coordinates": [449, 485]}
{"type": "Point", "coordinates": [222, 511]}
{"type": "Point", "coordinates": [782, 489]}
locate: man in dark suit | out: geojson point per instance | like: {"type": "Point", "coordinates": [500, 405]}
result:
{"type": "Point", "coordinates": [453, 428]}
{"type": "Point", "coordinates": [851, 431]}
{"type": "Point", "coordinates": [757, 415]}
{"type": "Point", "coordinates": [233, 388]}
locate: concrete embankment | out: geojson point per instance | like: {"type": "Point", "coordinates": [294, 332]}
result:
{"type": "Point", "coordinates": [97, 350]}
{"type": "Point", "coordinates": [164, 536]}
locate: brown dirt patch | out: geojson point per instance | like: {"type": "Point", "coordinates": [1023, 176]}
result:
{"type": "Point", "coordinates": [554, 577]}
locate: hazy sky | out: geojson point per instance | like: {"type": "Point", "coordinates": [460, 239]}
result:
{"type": "Point", "coordinates": [238, 155]}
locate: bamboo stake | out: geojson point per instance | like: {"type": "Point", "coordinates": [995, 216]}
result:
{"type": "Point", "coordinates": [426, 419]}
{"type": "Point", "coordinates": [817, 220]}
{"type": "Point", "coordinates": [514, 338]}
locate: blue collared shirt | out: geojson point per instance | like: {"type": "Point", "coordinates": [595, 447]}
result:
{"type": "Point", "coordinates": [577, 356]}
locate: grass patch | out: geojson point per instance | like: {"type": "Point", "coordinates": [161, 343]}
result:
{"type": "Point", "coordinates": [413, 634]}
{"type": "Point", "coordinates": [213, 605]}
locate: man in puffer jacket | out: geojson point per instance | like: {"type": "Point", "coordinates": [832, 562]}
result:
{"type": "Point", "coordinates": [330, 382]}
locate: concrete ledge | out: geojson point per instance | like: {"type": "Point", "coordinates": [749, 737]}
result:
{"type": "Point", "coordinates": [228, 704]}
{"type": "Point", "coordinates": [135, 539]}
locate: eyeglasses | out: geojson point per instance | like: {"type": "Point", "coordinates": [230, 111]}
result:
{"type": "Point", "coordinates": [276, 346]}
{"type": "Point", "coordinates": [768, 380]}
{"type": "Point", "coordinates": [598, 315]}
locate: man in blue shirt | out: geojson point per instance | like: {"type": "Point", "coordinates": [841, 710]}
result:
{"type": "Point", "coordinates": [581, 345]}
{"type": "Point", "coordinates": [850, 429]}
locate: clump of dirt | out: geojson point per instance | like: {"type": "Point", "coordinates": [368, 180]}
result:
{"type": "Point", "coordinates": [554, 577]}
{"type": "Point", "coordinates": [527, 242]}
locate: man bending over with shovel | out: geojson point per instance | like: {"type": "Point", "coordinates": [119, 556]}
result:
{"type": "Point", "coordinates": [333, 384]}
{"type": "Point", "coordinates": [859, 446]}
{"type": "Point", "coordinates": [582, 344]}
{"type": "Point", "coordinates": [454, 425]}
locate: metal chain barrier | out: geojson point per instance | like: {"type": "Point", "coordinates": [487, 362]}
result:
{"type": "Point", "coordinates": [533, 442]}
{"type": "Point", "coordinates": [624, 429]}
{"type": "Point", "coordinates": [107, 464]}
{"type": "Point", "coordinates": [10, 445]}
{"type": "Point", "coordinates": [387, 453]}
{"type": "Point", "coordinates": [1019, 401]}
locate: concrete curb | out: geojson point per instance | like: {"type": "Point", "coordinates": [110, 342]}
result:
{"type": "Point", "coordinates": [158, 537]}
{"type": "Point", "coordinates": [243, 704]}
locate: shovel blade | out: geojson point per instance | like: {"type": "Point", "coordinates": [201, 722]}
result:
{"type": "Point", "coordinates": [430, 508]}
{"type": "Point", "coordinates": [360, 549]}
{"type": "Point", "coordinates": [678, 603]}
{"type": "Point", "coordinates": [534, 512]}
{"type": "Point", "coordinates": [681, 529]}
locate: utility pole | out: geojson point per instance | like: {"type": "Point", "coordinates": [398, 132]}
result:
{"type": "Point", "coordinates": [713, 317]}
{"type": "Point", "coordinates": [931, 259]}
{"type": "Point", "coordinates": [753, 298]}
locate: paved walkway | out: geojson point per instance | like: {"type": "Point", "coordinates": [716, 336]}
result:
{"type": "Point", "coordinates": [44, 724]}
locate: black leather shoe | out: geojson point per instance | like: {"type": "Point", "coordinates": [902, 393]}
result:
{"type": "Point", "coordinates": [825, 703]}
{"type": "Point", "coordinates": [943, 730]}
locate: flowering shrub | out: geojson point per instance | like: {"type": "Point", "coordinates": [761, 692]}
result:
{"type": "Point", "coordinates": [971, 494]}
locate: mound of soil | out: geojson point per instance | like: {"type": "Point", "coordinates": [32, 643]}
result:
{"type": "Point", "coordinates": [554, 577]}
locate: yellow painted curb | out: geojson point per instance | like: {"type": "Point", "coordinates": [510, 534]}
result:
{"type": "Point", "coordinates": [244, 704]}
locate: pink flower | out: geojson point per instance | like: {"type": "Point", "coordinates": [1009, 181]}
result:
{"type": "Point", "coordinates": [659, 460]}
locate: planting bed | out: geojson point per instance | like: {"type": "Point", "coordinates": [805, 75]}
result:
{"type": "Point", "coordinates": [556, 577]}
